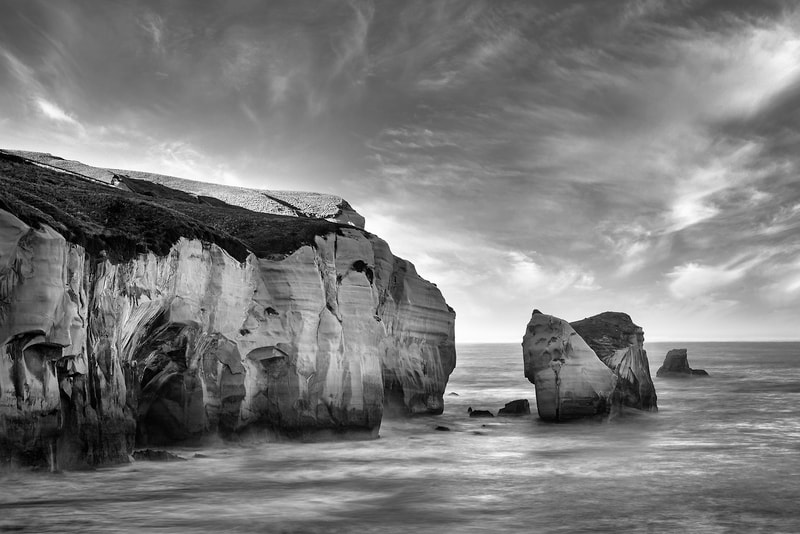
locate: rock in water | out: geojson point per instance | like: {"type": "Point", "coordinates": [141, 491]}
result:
{"type": "Point", "coordinates": [516, 407]}
{"type": "Point", "coordinates": [570, 379]}
{"type": "Point", "coordinates": [619, 343]}
{"type": "Point", "coordinates": [153, 455]}
{"type": "Point", "coordinates": [479, 413]}
{"type": "Point", "coordinates": [159, 318]}
{"type": "Point", "coordinates": [676, 365]}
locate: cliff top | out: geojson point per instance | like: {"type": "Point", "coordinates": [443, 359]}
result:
{"type": "Point", "coordinates": [290, 203]}
{"type": "Point", "coordinates": [143, 216]}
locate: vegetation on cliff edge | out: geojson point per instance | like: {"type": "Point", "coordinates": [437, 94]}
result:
{"type": "Point", "coordinates": [150, 217]}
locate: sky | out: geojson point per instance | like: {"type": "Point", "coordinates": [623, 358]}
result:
{"type": "Point", "coordinates": [576, 157]}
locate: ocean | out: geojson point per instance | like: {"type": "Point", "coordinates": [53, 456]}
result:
{"type": "Point", "coordinates": [721, 455]}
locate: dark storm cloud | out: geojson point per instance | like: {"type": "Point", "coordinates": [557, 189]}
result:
{"type": "Point", "coordinates": [573, 156]}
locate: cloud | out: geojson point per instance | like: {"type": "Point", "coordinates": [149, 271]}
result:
{"type": "Point", "coordinates": [154, 27]}
{"type": "Point", "coordinates": [694, 279]}
{"type": "Point", "coordinates": [53, 112]}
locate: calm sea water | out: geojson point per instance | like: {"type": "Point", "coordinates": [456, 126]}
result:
{"type": "Point", "coordinates": [722, 455]}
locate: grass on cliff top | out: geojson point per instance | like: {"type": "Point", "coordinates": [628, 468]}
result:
{"type": "Point", "coordinates": [151, 218]}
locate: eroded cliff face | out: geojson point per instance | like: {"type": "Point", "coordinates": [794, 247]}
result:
{"type": "Point", "coordinates": [96, 354]}
{"type": "Point", "coordinates": [619, 343]}
{"type": "Point", "coordinates": [570, 379]}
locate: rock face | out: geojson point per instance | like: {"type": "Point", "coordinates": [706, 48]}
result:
{"type": "Point", "coordinates": [619, 343]}
{"type": "Point", "coordinates": [103, 346]}
{"type": "Point", "coordinates": [676, 365]}
{"type": "Point", "coordinates": [570, 379]}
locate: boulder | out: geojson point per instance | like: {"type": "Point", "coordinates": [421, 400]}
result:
{"type": "Point", "coordinates": [516, 407]}
{"type": "Point", "coordinates": [676, 365]}
{"type": "Point", "coordinates": [479, 413]}
{"type": "Point", "coordinates": [570, 379]}
{"type": "Point", "coordinates": [619, 343]}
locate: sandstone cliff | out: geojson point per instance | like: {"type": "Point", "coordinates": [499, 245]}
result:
{"type": "Point", "coordinates": [619, 343]}
{"type": "Point", "coordinates": [155, 318]}
{"type": "Point", "coordinates": [570, 379]}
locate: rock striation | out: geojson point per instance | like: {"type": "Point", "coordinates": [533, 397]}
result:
{"type": "Point", "coordinates": [125, 321]}
{"type": "Point", "coordinates": [676, 365]}
{"type": "Point", "coordinates": [619, 343]}
{"type": "Point", "coordinates": [570, 379]}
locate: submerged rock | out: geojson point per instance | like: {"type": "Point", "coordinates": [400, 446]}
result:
{"type": "Point", "coordinates": [570, 379]}
{"type": "Point", "coordinates": [516, 407]}
{"type": "Point", "coordinates": [123, 319]}
{"type": "Point", "coordinates": [676, 365]}
{"type": "Point", "coordinates": [152, 455]}
{"type": "Point", "coordinates": [619, 343]}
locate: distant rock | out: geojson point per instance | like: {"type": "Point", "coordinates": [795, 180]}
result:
{"type": "Point", "coordinates": [516, 407]}
{"type": "Point", "coordinates": [676, 365]}
{"type": "Point", "coordinates": [570, 379]}
{"type": "Point", "coordinates": [619, 343]}
{"type": "Point", "coordinates": [441, 428]}
{"type": "Point", "coordinates": [153, 455]}
{"type": "Point", "coordinates": [479, 413]}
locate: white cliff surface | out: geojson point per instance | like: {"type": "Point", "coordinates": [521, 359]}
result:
{"type": "Point", "coordinates": [570, 379]}
{"type": "Point", "coordinates": [96, 355]}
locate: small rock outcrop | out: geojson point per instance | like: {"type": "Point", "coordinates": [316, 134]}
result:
{"type": "Point", "coordinates": [516, 407]}
{"type": "Point", "coordinates": [676, 365]}
{"type": "Point", "coordinates": [619, 343]}
{"type": "Point", "coordinates": [479, 413]}
{"type": "Point", "coordinates": [570, 379]}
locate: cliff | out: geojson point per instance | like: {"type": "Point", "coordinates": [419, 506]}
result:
{"type": "Point", "coordinates": [155, 317]}
{"type": "Point", "coordinates": [619, 343]}
{"type": "Point", "coordinates": [570, 379]}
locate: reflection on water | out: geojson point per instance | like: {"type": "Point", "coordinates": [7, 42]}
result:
{"type": "Point", "coordinates": [720, 456]}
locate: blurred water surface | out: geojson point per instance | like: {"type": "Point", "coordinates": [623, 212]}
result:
{"type": "Point", "coordinates": [721, 455]}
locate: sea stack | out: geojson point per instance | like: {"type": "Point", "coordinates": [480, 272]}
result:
{"type": "Point", "coordinates": [676, 365]}
{"type": "Point", "coordinates": [619, 343]}
{"type": "Point", "coordinates": [570, 379]}
{"type": "Point", "coordinates": [147, 315]}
